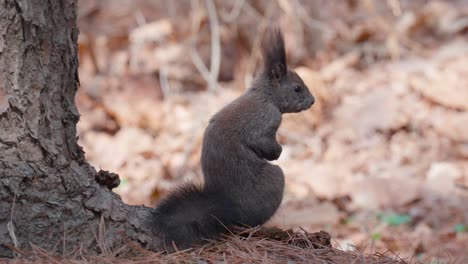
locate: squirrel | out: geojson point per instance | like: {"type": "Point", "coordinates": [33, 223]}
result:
{"type": "Point", "coordinates": [241, 188]}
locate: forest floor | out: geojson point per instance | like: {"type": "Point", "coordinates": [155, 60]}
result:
{"type": "Point", "coordinates": [380, 162]}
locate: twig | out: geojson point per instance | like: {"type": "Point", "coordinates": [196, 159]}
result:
{"type": "Point", "coordinates": [309, 21]}
{"type": "Point", "coordinates": [98, 241]}
{"type": "Point", "coordinates": [299, 29]}
{"type": "Point", "coordinates": [44, 254]}
{"type": "Point", "coordinates": [210, 76]}
{"type": "Point", "coordinates": [235, 12]}
{"type": "Point", "coordinates": [64, 239]}
{"type": "Point", "coordinates": [215, 44]}
{"type": "Point", "coordinates": [395, 6]}
{"type": "Point", "coordinates": [139, 17]}
{"type": "Point", "coordinates": [164, 81]}
{"type": "Point", "coordinates": [197, 61]}
{"type": "Point", "coordinates": [102, 235]}
{"type": "Point", "coordinates": [251, 11]}
{"type": "Point", "coordinates": [10, 226]}
{"type": "Point", "coordinates": [90, 40]}
{"type": "Point", "coordinates": [291, 10]}
{"type": "Point", "coordinates": [256, 44]}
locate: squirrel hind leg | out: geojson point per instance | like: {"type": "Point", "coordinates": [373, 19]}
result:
{"type": "Point", "coordinates": [268, 196]}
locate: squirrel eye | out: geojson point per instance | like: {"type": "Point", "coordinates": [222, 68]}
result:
{"type": "Point", "coordinates": [297, 88]}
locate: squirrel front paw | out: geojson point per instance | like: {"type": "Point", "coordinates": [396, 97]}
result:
{"type": "Point", "coordinates": [275, 152]}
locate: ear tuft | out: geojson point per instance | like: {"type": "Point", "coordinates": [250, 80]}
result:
{"type": "Point", "coordinates": [278, 71]}
{"type": "Point", "coordinates": [274, 54]}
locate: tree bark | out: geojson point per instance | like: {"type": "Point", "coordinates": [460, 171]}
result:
{"type": "Point", "coordinates": [48, 192]}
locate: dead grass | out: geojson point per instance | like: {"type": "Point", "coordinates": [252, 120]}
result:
{"type": "Point", "coordinates": [246, 248]}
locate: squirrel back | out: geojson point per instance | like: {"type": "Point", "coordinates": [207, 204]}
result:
{"type": "Point", "coordinates": [241, 186]}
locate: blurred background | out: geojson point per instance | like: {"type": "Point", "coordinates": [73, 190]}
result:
{"type": "Point", "coordinates": [380, 161]}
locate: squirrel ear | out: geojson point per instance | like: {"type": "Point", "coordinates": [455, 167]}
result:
{"type": "Point", "coordinates": [274, 54]}
{"type": "Point", "coordinates": [278, 71]}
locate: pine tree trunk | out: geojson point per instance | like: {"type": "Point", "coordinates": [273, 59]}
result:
{"type": "Point", "coordinates": [48, 192]}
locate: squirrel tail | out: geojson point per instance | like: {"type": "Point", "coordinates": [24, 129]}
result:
{"type": "Point", "coordinates": [190, 214]}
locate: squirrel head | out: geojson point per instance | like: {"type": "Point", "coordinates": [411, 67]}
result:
{"type": "Point", "coordinates": [285, 87]}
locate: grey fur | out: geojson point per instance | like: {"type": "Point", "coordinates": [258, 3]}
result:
{"type": "Point", "coordinates": [241, 186]}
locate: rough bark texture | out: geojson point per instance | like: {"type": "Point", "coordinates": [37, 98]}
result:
{"type": "Point", "coordinates": [48, 193]}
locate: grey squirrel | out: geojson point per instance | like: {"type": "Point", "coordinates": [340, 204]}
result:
{"type": "Point", "coordinates": [241, 187]}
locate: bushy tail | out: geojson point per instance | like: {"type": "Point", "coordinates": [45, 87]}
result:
{"type": "Point", "coordinates": [190, 214]}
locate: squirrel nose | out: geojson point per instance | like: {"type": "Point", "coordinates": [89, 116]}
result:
{"type": "Point", "coordinates": [312, 100]}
